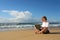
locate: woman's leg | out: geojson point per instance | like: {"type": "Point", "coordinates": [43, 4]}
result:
{"type": "Point", "coordinates": [47, 32]}
{"type": "Point", "coordinates": [36, 31]}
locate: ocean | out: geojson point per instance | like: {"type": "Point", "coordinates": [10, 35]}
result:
{"type": "Point", "coordinates": [21, 26]}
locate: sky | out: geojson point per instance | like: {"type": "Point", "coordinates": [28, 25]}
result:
{"type": "Point", "coordinates": [29, 10]}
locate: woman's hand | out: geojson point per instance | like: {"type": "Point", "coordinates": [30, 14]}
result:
{"type": "Point", "coordinates": [40, 32]}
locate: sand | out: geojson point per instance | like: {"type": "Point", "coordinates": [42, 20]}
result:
{"type": "Point", "coordinates": [29, 35]}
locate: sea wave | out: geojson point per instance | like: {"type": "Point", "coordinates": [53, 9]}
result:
{"type": "Point", "coordinates": [23, 26]}
{"type": "Point", "coordinates": [26, 26]}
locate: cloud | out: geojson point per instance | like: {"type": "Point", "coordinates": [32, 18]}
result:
{"type": "Point", "coordinates": [19, 16]}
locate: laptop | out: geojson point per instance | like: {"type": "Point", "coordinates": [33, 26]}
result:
{"type": "Point", "coordinates": [38, 26]}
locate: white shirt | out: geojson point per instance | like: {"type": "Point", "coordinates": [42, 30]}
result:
{"type": "Point", "coordinates": [45, 24]}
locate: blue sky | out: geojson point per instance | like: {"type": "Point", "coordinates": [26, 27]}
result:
{"type": "Point", "coordinates": [38, 8]}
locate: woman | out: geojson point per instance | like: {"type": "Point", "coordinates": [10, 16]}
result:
{"type": "Point", "coordinates": [44, 27]}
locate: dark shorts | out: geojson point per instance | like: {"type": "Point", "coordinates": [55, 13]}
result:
{"type": "Point", "coordinates": [46, 32]}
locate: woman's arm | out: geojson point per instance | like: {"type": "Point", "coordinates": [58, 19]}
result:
{"type": "Point", "coordinates": [44, 29]}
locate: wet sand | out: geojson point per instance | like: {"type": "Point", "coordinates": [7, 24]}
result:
{"type": "Point", "coordinates": [30, 35]}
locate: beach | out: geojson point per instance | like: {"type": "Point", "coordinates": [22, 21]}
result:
{"type": "Point", "coordinates": [30, 35]}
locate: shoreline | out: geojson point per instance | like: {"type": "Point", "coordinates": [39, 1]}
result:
{"type": "Point", "coordinates": [16, 29]}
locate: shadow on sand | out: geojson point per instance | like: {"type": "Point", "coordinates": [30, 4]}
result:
{"type": "Point", "coordinates": [55, 33]}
